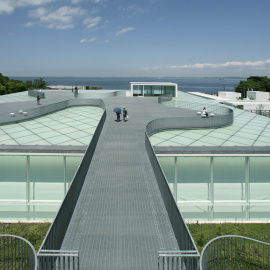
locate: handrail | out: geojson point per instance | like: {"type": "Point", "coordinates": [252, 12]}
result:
{"type": "Point", "coordinates": [164, 98]}
{"type": "Point", "coordinates": [46, 109]}
{"type": "Point", "coordinates": [55, 235]}
{"type": "Point", "coordinates": [265, 113]}
{"type": "Point", "coordinates": [17, 253]}
{"type": "Point", "coordinates": [233, 252]}
{"type": "Point", "coordinates": [182, 234]}
{"type": "Point", "coordinates": [35, 93]}
{"type": "Point", "coordinates": [187, 259]}
{"type": "Point", "coordinates": [166, 259]}
{"type": "Point", "coordinates": [60, 259]}
{"type": "Point", "coordinates": [197, 106]}
{"type": "Point", "coordinates": [223, 117]}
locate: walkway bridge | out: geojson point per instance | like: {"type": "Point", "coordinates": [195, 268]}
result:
{"type": "Point", "coordinates": [119, 212]}
{"type": "Point", "coordinates": [125, 213]}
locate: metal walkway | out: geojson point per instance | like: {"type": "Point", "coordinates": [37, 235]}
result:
{"type": "Point", "coordinates": [120, 221]}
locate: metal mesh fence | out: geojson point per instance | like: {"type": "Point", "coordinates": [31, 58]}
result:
{"type": "Point", "coordinates": [16, 253]}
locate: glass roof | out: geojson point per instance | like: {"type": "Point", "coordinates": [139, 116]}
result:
{"type": "Point", "coordinates": [16, 97]}
{"type": "Point", "coordinates": [71, 126]}
{"type": "Point", "coordinates": [248, 129]}
{"type": "Point", "coordinates": [23, 96]}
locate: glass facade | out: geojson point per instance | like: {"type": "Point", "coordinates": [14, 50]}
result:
{"type": "Point", "coordinates": [220, 188]}
{"type": "Point", "coordinates": [153, 90]}
{"type": "Point", "coordinates": [137, 90]}
{"type": "Point", "coordinates": [36, 188]}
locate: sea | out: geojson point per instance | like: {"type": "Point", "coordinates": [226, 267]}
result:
{"type": "Point", "coordinates": [209, 85]}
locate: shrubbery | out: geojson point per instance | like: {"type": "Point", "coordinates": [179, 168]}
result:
{"type": "Point", "coordinates": [254, 83]}
{"type": "Point", "coordinates": [9, 86]}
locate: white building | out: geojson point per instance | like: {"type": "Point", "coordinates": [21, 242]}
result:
{"type": "Point", "coordinates": [258, 95]}
{"type": "Point", "coordinates": [153, 89]}
{"type": "Point", "coordinates": [229, 95]}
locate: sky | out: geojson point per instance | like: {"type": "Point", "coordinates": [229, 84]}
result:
{"type": "Point", "coordinates": [119, 38]}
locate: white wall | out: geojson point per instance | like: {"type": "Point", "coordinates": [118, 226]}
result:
{"type": "Point", "coordinates": [229, 95]}
{"type": "Point", "coordinates": [258, 95]}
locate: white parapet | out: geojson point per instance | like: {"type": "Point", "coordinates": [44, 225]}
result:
{"type": "Point", "coordinates": [258, 95]}
{"type": "Point", "coordinates": [229, 95]}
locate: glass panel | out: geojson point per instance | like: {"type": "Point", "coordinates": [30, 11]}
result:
{"type": "Point", "coordinates": [46, 178]}
{"type": "Point", "coordinates": [14, 212]}
{"type": "Point", "coordinates": [43, 212]}
{"type": "Point", "coordinates": [72, 164]}
{"type": "Point", "coordinates": [137, 90]}
{"type": "Point", "coordinates": [169, 90]}
{"type": "Point", "coordinates": [259, 212]}
{"type": "Point", "coordinates": [167, 165]}
{"type": "Point", "coordinates": [194, 213]}
{"type": "Point", "coordinates": [148, 90]}
{"type": "Point", "coordinates": [13, 177]}
{"type": "Point", "coordinates": [46, 174]}
{"type": "Point", "coordinates": [260, 178]}
{"type": "Point", "coordinates": [229, 178]}
{"type": "Point", "coordinates": [193, 175]}
{"type": "Point", "coordinates": [157, 90]}
{"type": "Point", "coordinates": [229, 212]}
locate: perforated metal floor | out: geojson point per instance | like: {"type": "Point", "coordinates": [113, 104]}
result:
{"type": "Point", "coordinates": [120, 221]}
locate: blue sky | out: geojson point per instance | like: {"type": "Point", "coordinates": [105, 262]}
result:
{"type": "Point", "coordinates": [135, 38]}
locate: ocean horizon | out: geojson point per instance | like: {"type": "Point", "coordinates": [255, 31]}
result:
{"type": "Point", "coordinates": [210, 85]}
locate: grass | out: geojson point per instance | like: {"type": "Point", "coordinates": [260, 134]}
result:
{"type": "Point", "coordinates": [202, 233]}
{"type": "Point", "coordinates": [33, 232]}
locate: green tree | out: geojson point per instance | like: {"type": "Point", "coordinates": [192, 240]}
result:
{"type": "Point", "coordinates": [3, 79]}
{"type": "Point", "coordinates": [14, 86]}
{"type": "Point", "coordinates": [8, 86]}
{"type": "Point", "coordinates": [2, 90]}
{"type": "Point", "coordinates": [29, 84]}
{"type": "Point", "coordinates": [40, 83]}
{"type": "Point", "coordinates": [256, 83]}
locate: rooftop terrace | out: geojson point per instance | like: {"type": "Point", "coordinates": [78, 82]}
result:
{"type": "Point", "coordinates": [123, 209]}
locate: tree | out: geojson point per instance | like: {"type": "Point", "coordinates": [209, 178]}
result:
{"type": "Point", "coordinates": [14, 86]}
{"type": "Point", "coordinates": [29, 84]}
{"type": "Point", "coordinates": [8, 86]}
{"type": "Point", "coordinates": [3, 79]}
{"type": "Point", "coordinates": [2, 90]}
{"type": "Point", "coordinates": [253, 82]}
{"type": "Point", "coordinates": [40, 83]}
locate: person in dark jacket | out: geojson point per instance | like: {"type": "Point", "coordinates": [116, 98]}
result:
{"type": "Point", "coordinates": [38, 100]}
{"type": "Point", "coordinates": [125, 114]}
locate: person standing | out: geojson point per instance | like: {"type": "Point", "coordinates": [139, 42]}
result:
{"type": "Point", "coordinates": [125, 114]}
{"type": "Point", "coordinates": [38, 99]}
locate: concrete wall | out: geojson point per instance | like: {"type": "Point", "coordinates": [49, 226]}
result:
{"type": "Point", "coordinates": [229, 95]}
{"type": "Point", "coordinates": [258, 95]}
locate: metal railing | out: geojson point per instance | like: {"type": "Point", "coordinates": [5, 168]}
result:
{"type": "Point", "coordinates": [46, 109]}
{"type": "Point", "coordinates": [178, 260]}
{"type": "Point", "coordinates": [58, 259]}
{"type": "Point", "coordinates": [16, 253]}
{"type": "Point", "coordinates": [35, 93]}
{"type": "Point", "coordinates": [56, 233]}
{"type": "Point", "coordinates": [223, 117]}
{"type": "Point", "coordinates": [195, 122]}
{"type": "Point", "coordinates": [265, 113]}
{"type": "Point", "coordinates": [163, 98]}
{"type": "Point", "coordinates": [188, 256]}
{"type": "Point", "coordinates": [235, 252]}
{"type": "Point", "coordinates": [196, 106]}
{"type": "Point", "coordinates": [184, 239]}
